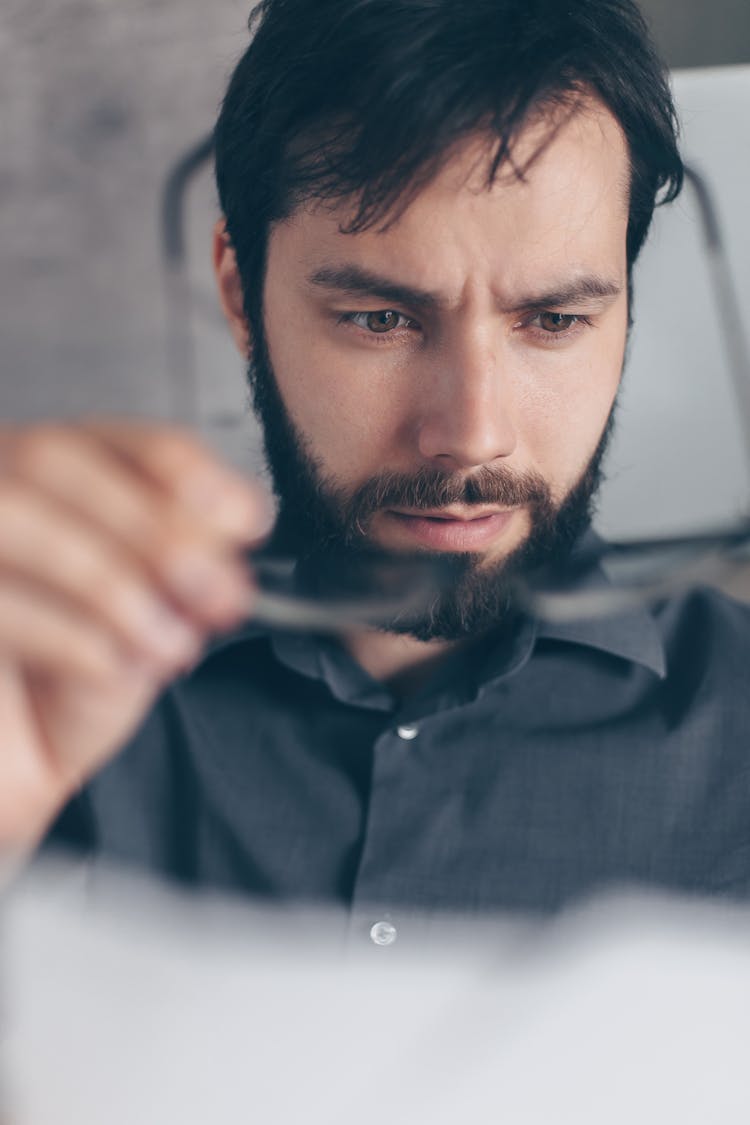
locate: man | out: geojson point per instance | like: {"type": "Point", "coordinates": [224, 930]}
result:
{"type": "Point", "coordinates": [431, 212]}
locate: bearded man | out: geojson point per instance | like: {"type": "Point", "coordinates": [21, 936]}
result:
{"type": "Point", "coordinates": [430, 216]}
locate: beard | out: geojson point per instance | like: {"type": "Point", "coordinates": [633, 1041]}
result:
{"type": "Point", "coordinates": [327, 527]}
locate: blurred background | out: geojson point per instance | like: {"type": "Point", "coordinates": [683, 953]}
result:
{"type": "Point", "coordinates": [100, 98]}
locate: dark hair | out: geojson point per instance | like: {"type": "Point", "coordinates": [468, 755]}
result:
{"type": "Point", "coordinates": [363, 98]}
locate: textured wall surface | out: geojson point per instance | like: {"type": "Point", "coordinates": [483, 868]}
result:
{"type": "Point", "coordinates": [99, 97]}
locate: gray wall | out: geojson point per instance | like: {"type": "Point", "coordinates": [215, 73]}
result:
{"type": "Point", "coordinates": [679, 459]}
{"type": "Point", "coordinates": [98, 97]}
{"type": "Point", "coordinates": [701, 32]}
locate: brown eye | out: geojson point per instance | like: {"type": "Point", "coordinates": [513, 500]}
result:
{"type": "Point", "coordinates": [556, 322]}
{"type": "Point", "coordinates": [383, 321]}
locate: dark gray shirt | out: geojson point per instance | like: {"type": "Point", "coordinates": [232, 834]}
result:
{"type": "Point", "coordinates": [547, 763]}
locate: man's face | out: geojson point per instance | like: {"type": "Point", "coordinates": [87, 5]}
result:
{"type": "Point", "coordinates": [447, 381]}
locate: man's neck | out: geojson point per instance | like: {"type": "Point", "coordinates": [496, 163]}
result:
{"type": "Point", "coordinates": [402, 663]}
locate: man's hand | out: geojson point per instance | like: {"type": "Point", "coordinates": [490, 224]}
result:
{"type": "Point", "coordinates": [119, 555]}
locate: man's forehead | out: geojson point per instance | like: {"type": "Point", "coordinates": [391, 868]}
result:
{"type": "Point", "coordinates": [563, 223]}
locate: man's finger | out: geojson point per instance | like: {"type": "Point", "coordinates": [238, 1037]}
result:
{"type": "Point", "coordinates": [119, 560]}
{"type": "Point", "coordinates": [184, 468]}
{"type": "Point", "coordinates": [43, 633]}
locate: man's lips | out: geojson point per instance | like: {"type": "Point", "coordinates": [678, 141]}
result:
{"type": "Point", "coordinates": [453, 528]}
{"type": "Point", "coordinates": [454, 512]}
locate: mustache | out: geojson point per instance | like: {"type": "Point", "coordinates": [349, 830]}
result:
{"type": "Point", "coordinates": [430, 488]}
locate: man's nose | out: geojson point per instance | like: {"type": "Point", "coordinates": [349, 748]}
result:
{"type": "Point", "coordinates": [467, 418]}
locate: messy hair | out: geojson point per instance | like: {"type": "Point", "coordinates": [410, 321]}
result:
{"type": "Point", "coordinates": [364, 99]}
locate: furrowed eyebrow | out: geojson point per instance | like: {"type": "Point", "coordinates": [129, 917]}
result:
{"type": "Point", "coordinates": [576, 293]}
{"type": "Point", "coordinates": [355, 280]}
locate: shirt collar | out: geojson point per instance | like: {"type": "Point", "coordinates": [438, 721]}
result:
{"type": "Point", "coordinates": [631, 634]}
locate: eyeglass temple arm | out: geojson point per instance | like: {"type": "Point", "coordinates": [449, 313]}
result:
{"type": "Point", "coordinates": [726, 300]}
{"type": "Point", "coordinates": [181, 375]}
{"type": "Point", "coordinates": [174, 194]}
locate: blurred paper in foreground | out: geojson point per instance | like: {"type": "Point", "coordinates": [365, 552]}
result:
{"type": "Point", "coordinates": [128, 1004]}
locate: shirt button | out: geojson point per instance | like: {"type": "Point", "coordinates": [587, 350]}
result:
{"type": "Point", "coordinates": [383, 933]}
{"type": "Point", "coordinates": [407, 733]}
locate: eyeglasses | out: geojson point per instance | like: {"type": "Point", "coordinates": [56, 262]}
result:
{"type": "Point", "coordinates": [639, 571]}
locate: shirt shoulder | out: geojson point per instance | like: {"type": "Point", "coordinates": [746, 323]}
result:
{"type": "Point", "coordinates": [705, 625]}
{"type": "Point", "coordinates": [706, 638]}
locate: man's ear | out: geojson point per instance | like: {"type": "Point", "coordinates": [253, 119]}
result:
{"type": "Point", "coordinates": [229, 284]}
